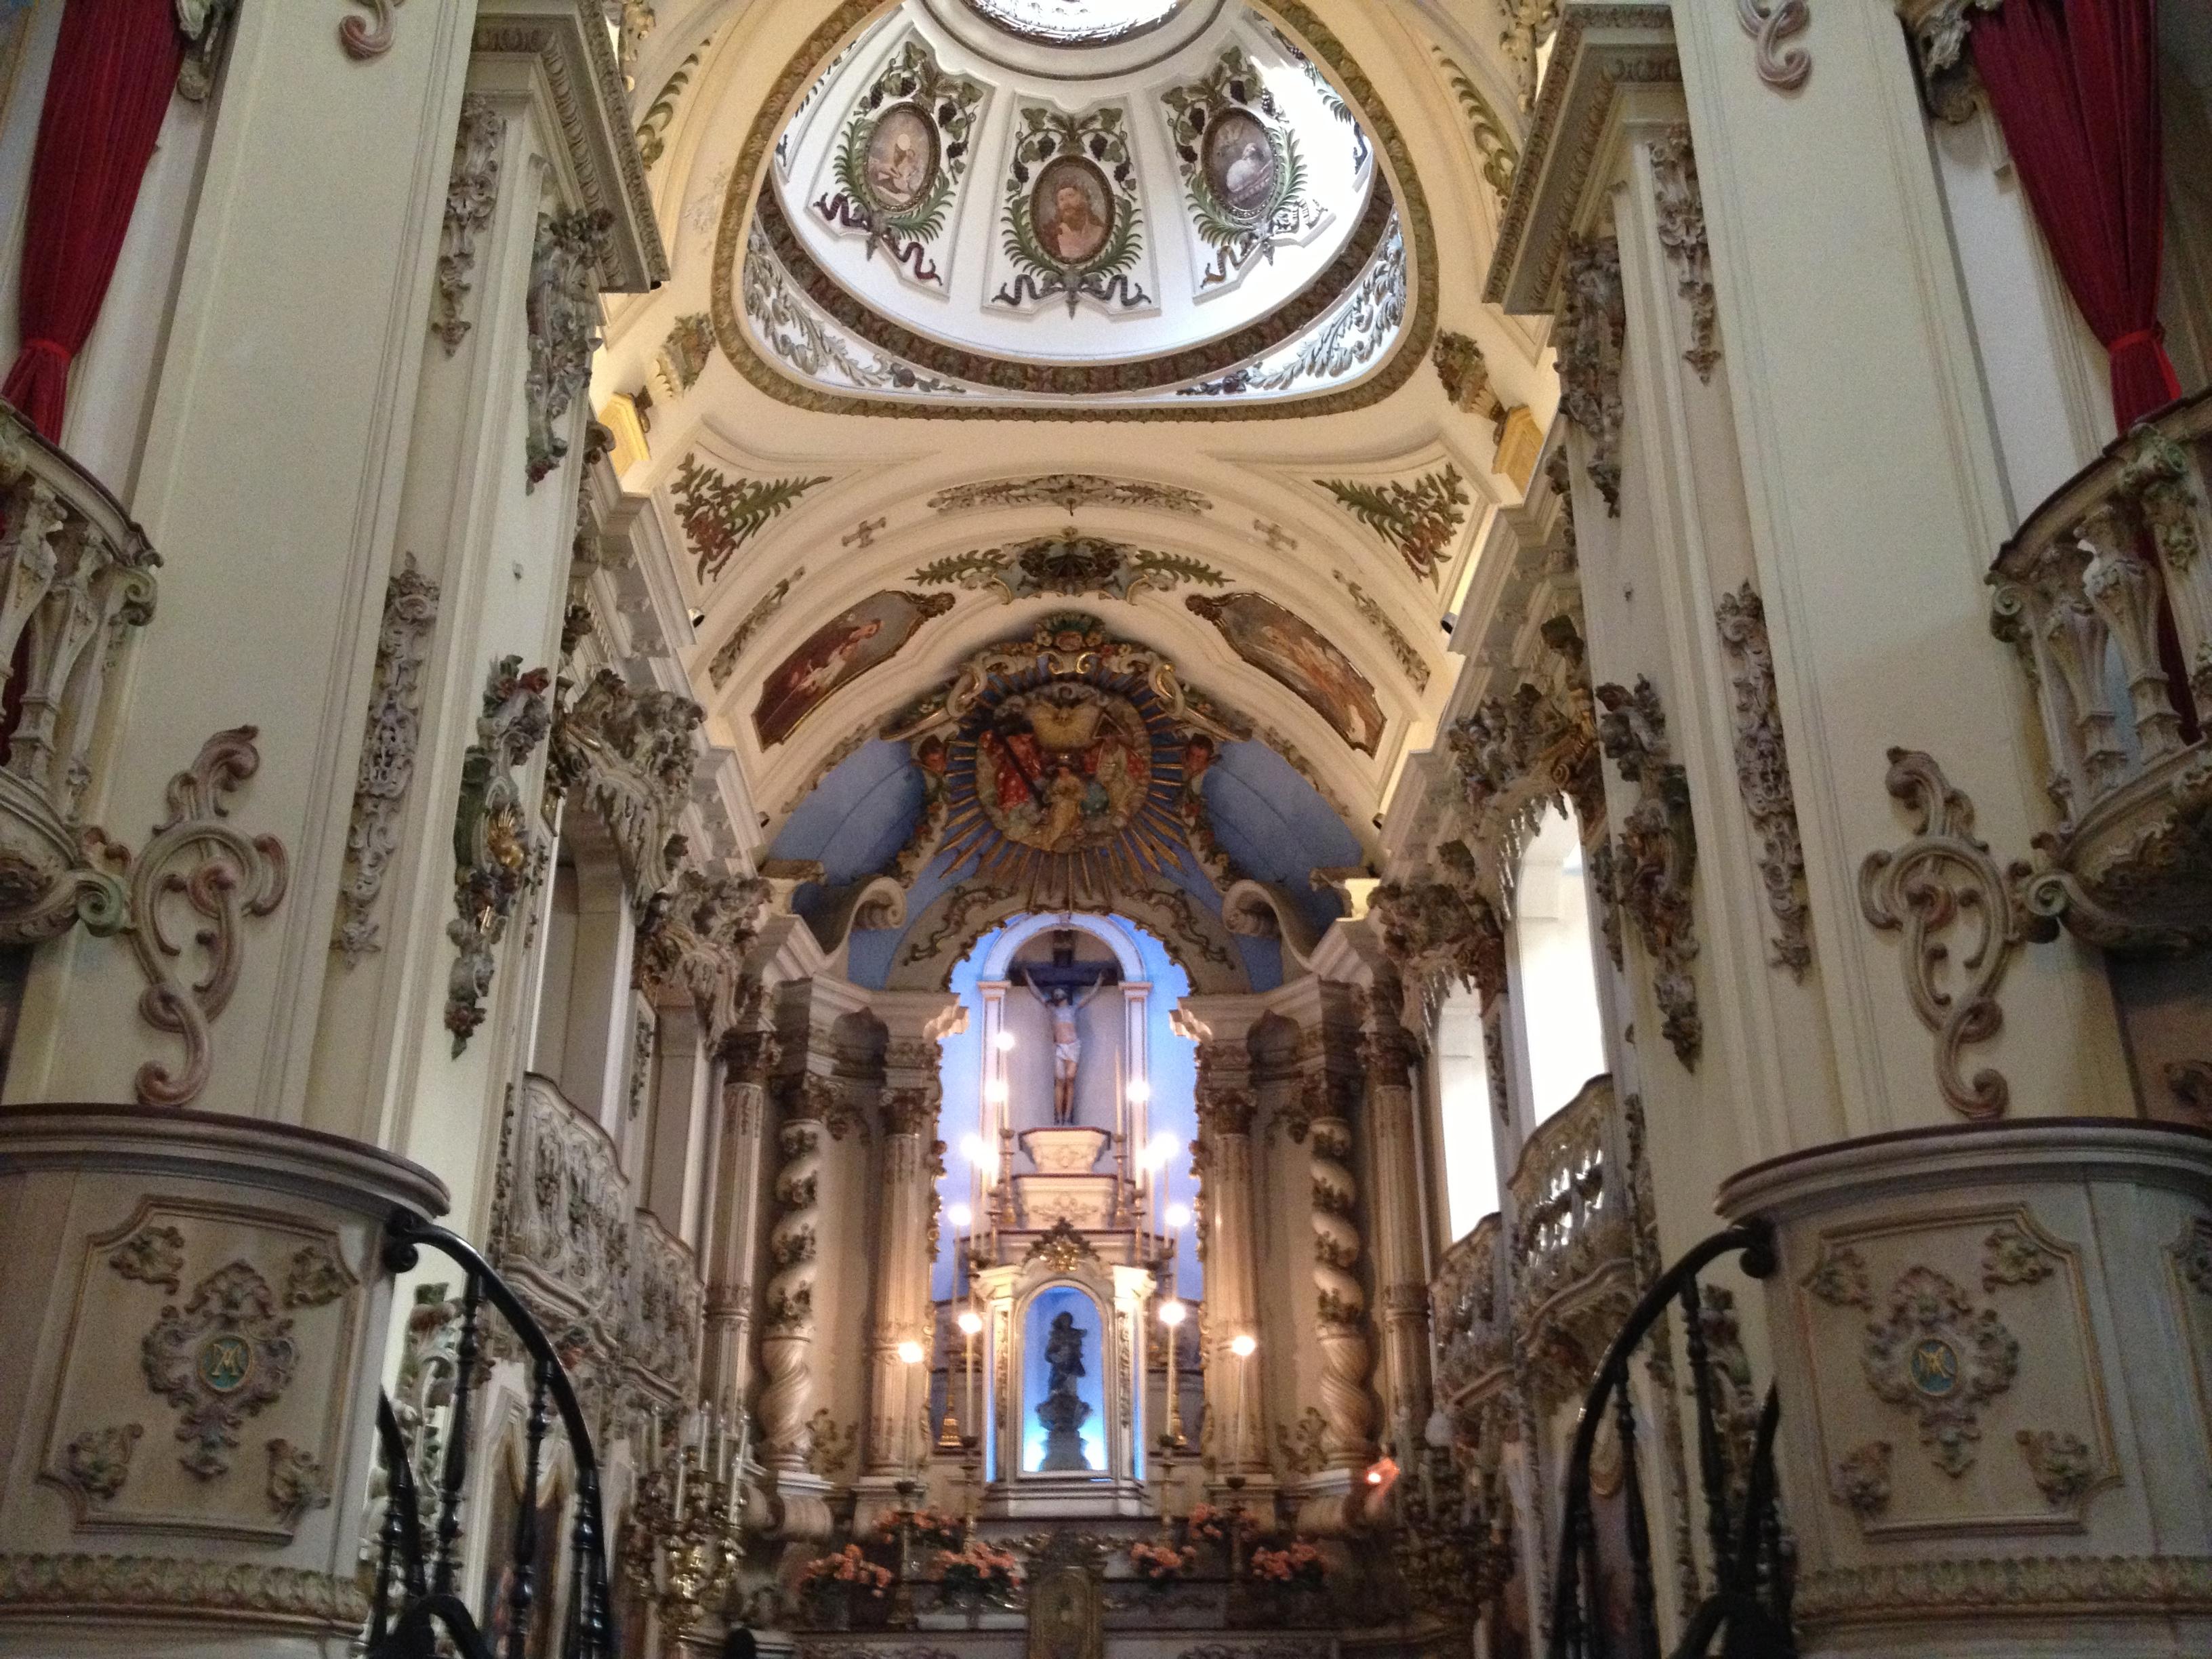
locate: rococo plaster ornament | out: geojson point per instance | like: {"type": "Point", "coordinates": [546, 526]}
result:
{"type": "Point", "coordinates": [694, 936]}
{"type": "Point", "coordinates": [1068, 566]}
{"type": "Point", "coordinates": [471, 195]}
{"type": "Point", "coordinates": [230, 875]}
{"type": "Point", "coordinates": [366, 38]}
{"type": "Point", "coordinates": [1762, 772]}
{"type": "Point", "coordinates": [630, 754]}
{"type": "Point", "coordinates": [1420, 519]}
{"type": "Point", "coordinates": [1681, 231]}
{"type": "Point", "coordinates": [226, 1356]}
{"type": "Point", "coordinates": [172, 1585]}
{"type": "Point", "coordinates": [1657, 857]}
{"type": "Point", "coordinates": [1593, 333]}
{"type": "Point", "coordinates": [564, 307]}
{"type": "Point", "coordinates": [492, 839]}
{"type": "Point", "coordinates": [387, 757]}
{"type": "Point", "coordinates": [1494, 139]}
{"type": "Point", "coordinates": [1940, 1356]}
{"type": "Point", "coordinates": [1939, 30]}
{"type": "Point", "coordinates": [1769, 23]}
{"type": "Point", "coordinates": [903, 152]}
{"type": "Point", "coordinates": [1068, 491]}
{"type": "Point", "coordinates": [2012, 1585]}
{"type": "Point", "coordinates": [720, 513]}
{"type": "Point", "coordinates": [725, 660]}
{"type": "Point", "coordinates": [1941, 876]}
{"type": "Point", "coordinates": [1408, 655]}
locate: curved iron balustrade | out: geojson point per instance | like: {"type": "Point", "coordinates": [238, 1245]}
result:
{"type": "Point", "coordinates": [416, 1612]}
{"type": "Point", "coordinates": [1749, 1607]}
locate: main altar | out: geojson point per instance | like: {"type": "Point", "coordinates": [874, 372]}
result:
{"type": "Point", "coordinates": [1066, 1257]}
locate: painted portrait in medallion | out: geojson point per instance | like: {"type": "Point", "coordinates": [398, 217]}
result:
{"type": "Point", "coordinates": [1073, 208]}
{"type": "Point", "coordinates": [1290, 650]}
{"type": "Point", "coordinates": [1063, 769]}
{"type": "Point", "coordinates": [901, 157]}
{"type": "Point", "coordinates": [1240, 165]}
{"type": "Point", "coordinates": [837, 654]}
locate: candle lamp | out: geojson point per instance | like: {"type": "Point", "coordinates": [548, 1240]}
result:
{"type": "Point", "coordinates": [684, 1541]}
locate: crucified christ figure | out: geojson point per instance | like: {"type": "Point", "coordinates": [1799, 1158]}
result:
{"type": "Point", "coordinates": [1066, 1044]}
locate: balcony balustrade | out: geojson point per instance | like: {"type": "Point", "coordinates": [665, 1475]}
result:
{"type": "Point", "coordinates": [2079, 590]}
{"type": "Point", "coordinates": [75, 574]}
{"type": "Point", "coordinates": [1572, 1267]}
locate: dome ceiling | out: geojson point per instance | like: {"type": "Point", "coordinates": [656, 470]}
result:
{"type": "Point", "coordinates": [985, 203]}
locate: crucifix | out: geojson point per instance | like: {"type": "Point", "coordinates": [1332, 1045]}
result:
{"type": "Point", "coordinates": [1063, 988]}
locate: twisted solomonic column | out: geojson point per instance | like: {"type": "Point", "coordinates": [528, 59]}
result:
{"type": "Point", "coordinates": [1387, 1055]}
{"type": "Point", "coordinates": [787, 1313]}
{"type": "Point", "coordinates": [1346, 1355]}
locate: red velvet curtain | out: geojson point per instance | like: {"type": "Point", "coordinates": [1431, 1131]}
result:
{"type": "Point", "coordinates": [2074, 86]}
{"type": "Point", "coordinates": [115, 66]}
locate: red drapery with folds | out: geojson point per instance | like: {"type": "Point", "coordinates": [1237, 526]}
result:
{"type": "Point", "coordinates": [2074, 86]}
{"type": "Point", "coordinates": [115, 66]}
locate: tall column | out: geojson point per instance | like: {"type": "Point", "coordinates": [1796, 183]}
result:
{"type": "Point", "coordinates": [748, 1059]}
{"type": "Point", "coordinates": [787, 1399]}
{"type": "Point", "coordinates": [1235, 1406]}
{"type": "Point", "coordinates": [1400, 1263]}
{"type": "Point", "coordinates": [901, 1290]}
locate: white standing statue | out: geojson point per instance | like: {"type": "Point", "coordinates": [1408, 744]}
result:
{"type": "Point", "coordinates": [1066, 1043]}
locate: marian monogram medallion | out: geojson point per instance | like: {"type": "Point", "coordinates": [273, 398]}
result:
{"type": "Point", "coordinates": [1942, 1359]}
{"type": "Point", "coordinates": [224, 1356]}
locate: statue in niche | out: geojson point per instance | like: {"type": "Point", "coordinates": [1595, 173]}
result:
{"type": "Point", "coordinates": [1056, 988]}
{"type": "Point", "coordinates": [1064, 1411]}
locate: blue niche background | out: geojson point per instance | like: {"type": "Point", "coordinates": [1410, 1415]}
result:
{"type": "Point", "coordinates": [1037, 1376]}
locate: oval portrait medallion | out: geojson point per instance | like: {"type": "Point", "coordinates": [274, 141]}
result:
{"type": "Point", "coordinates": [1064, 769]}
{"type": "Point", "coordinates": [1072, 207]}
{"type": "Point", "coordinates": [1240, 164]}
{"type": "Point", "coordinates": [901, 158]}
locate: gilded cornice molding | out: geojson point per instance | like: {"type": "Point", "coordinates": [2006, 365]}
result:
{"type": "Point", "coordinates": [568, 38]}
{"type": "Point", "coordinates": [164, 1584]}
{"type": "Point", "coordinates": [749, 184]}
{"type": "Point", "coordinates": [2033, 1585]}
{"type": "Point", "coordinates": [1598, 49]}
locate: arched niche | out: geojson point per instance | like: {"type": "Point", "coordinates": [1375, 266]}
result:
{"type": "Point", "coordinates": [1084, 1459]}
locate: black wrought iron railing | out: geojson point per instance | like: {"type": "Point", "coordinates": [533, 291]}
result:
{"type": "Point", "coordinates": [1748, 1608]}
{"type": "Point", "coordinates": [417, 1608]}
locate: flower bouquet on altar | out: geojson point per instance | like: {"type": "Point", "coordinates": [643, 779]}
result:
{"type": "Point", "coordinates": [1161, 1563]}
{"type": "Point", "coordinates": [936, 1528]}
{"type": "Point", "coordinates": [829, 1583]}
{"type": "Point", "coordinates": [1209, 1525]}
{"type": "Point", "coordinates": [1296, 1565]}
{"type": "Point", "coordinates": [977, 1573]}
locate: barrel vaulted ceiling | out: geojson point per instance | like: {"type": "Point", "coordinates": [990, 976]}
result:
{"type": "Point", "coordinates": [1287, 554]}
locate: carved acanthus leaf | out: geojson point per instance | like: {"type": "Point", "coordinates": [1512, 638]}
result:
{"type": "Point", "coordinates": [564, 307]}
{"type": "Point", "coordinates": [1657, 859]}
{"type": "Point", "coordinates": [630, 754]}
{"type": "Point", "coordinates": [1681, 231]}
{"type": "Point", "coordinates": [1591, 337]}
{"type": "Point", "coordinates": [492, 840]}
{"type": "Point", "coordinates": [472, 193]}
{"type": "Point", "coordinates": [387, 757]}
{"type": "Point", "coordinates": [1762, 772]}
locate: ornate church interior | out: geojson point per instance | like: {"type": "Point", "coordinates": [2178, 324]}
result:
{"type": "Point", "coordinates": [1106, 829]}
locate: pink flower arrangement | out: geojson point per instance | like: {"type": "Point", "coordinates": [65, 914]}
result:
{"type": "Point", "coordinates": [938, 1528]}
{"type": "Point", "coordinates": [1297, 1562]}
{"type": "Point", "coordinates": [977, 1567]}
{"type": "Point", "coordinates": [1161, 1562]}
{"type": "Point", "coordinates": [847, 1567]}
{"type": "Point", "coordinates": [1210, 1523]}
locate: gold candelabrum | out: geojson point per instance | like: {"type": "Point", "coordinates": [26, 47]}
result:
{"type": "Point", "coordinates": [681, 1549]}
{"type": "Point", "coordinates": [1446, 1550]}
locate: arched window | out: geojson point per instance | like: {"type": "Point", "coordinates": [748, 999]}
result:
{"type": "Point", "coordinates": [1557, 993]}
{"type": "Point", "coordinates": [1463, 1107]}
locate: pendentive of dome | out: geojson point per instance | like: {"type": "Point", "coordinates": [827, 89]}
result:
{"type": "Point", "coordinates": [1225, 236]}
